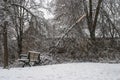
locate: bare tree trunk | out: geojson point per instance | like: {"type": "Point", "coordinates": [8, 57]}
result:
{"type": "Point", "coordinates": [5, 45]}
{"type": "Point", "coordinates": [92, 23]}
{"type": "Point", "coordinates": [95, 20]}
{"type": "Point", "coordinates": [19, 45]}
{"type": "Point", "coordinates": [20, 38]}
{"type": "Point", "coordinates": [20, 29]}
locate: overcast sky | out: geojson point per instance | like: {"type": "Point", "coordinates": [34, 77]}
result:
{"type": "Point", "coordinates": [47, 14]}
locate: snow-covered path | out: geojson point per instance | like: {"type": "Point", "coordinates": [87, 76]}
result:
{"type": "Point", "coordinates": [72, 71]}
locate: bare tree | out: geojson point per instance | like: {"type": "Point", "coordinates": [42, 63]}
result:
{"type": "Point", "coordinates": [4, 26]}
{"type": "Point", "coordinates": [5, 45]}
{"type": "Point", "coordinates": [92, 20]}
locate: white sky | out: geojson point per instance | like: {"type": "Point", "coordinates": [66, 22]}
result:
{"type": "Point", "coordinates": [47, 14]}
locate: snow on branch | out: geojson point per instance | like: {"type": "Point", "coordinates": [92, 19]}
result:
{"type": "Point", "coordinates": [24, 9]}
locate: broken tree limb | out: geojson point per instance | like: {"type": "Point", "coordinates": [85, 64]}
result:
{"type": "Point", "coordinates": [68, 30]}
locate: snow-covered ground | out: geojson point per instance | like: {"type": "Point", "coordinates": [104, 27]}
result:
{"type": "Point", "coordinates": [72, 71]}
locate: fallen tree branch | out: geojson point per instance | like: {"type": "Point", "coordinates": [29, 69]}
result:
{"type": "Point", "coordinates": [68, 30]}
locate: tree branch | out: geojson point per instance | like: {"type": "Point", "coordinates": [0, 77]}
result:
{"type": "Point", "coordinates": [24, 9]}
{"type": "Point", "coordinates": [68, 30]}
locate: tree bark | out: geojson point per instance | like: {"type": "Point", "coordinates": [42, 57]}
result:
{"type": "Point", "coordinates": [5, 45]}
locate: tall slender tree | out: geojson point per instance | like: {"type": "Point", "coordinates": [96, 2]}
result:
{"type": "Point", "coordinates": [5, 41]}
{"type": "Point", "coordinates": [5, 45]}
